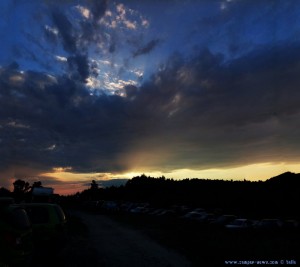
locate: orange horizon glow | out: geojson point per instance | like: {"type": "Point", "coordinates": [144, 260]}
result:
{"type": "Point", "coordinates": [71, 183]}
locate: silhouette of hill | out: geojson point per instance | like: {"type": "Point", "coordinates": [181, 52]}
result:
{"type": "Point", "coordinates": [292, 179]}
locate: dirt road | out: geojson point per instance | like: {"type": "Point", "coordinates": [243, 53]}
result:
{"type": "Point", "coordinates": [114, 245]}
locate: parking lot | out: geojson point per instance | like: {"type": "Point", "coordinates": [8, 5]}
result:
{"type": "Point", "coordinates": [108, 233]}
{"type": "Point", "coordinates": [198, 239]}
{"type": "Point", "coordinates": [120, 240]}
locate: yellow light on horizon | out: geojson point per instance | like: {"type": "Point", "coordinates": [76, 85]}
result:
{"type": "Point", "coordinates": [259, 171]}
{"type": "Point", "coordinates": [253, 172]}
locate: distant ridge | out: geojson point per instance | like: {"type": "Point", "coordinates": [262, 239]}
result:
{"type": "Point", "coordinates": [112, 182]}
{"type": "Point", "coordinates": [285, 178]}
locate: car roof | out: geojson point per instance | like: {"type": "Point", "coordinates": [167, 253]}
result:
{"type": "Point", "coordinates": [270, 220]}
{"type": "Point", "coordinates": [37, 204]}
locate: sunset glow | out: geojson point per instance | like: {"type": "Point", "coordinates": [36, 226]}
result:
{"type": "Point", "coordinates": [104, 90]}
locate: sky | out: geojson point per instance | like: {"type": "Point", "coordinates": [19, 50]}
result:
{"type": "Point", "coordinates": [105, 90]}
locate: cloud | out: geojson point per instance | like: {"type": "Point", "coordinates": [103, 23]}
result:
{"type": "Point", "coordinates": [79, 66]}
{"type": "Point", "coordinates": [203, 112]}
{"type": "Point", "coordinates": [67, 37]}
{"type": "Point", "coordinates": [225, 28]}
{"type": "Point", "coordinates": [78, 38]}
{"type": "Point", "coordinates": [147, 48]}
{"type": "Point", "coordinates": [98, 8]}
{"type": "Point", "coordinates": [88, 33]}
{"type": "Point", "coordinates": [62, 115]}
{"type": "Point", "coordinates": [196, 112]}
{"type": "Point", "coordinates": [66, 31]}
{"type": "Point", "coordinates": [85, 12]}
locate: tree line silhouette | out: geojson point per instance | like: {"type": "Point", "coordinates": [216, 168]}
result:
{"type": "Point", "coordinates": [277, 196]}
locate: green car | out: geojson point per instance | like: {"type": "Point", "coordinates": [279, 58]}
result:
{"type": "Point", "coordinates": [48, 221]}
{"type": "Point", "coordinates": [16, 246]}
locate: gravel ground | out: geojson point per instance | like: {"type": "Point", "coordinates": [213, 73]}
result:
{"type": "Point", "coordinates": [111, 244]}
{"type": "Point", "coordinates": [138, 241]}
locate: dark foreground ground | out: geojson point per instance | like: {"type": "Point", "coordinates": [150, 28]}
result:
{"type": "Point", "coordinates": [99, 240]}
{"type": "Point", "coordinates": [121, 240]}
{"type": "Point", "coordinates": [204, 245]}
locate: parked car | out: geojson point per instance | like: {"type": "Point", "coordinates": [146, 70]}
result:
{"type": "Point", "coordinates": [48, 221]}
{"type": "Point", "coordinates": [239, 224]}
{"type": "Point", "coordinates": [194, 215]}
{"type": "Point", "coordinates": [207, 218]}
{"type": "Point", "coordinates": [269, 224]}
{"type": "Point", "coordinates": [156, 211]}
{"type": "Point", "coordinates": [200, 210]}
{"type": "Point", "coordinates": [138, 210]}
{"type": "Point", "coordinates": [181, 210]}
{"type": "Point", "coordinates": [290, 224]}
{"type": "Point", "coordinates": [16, 246]}
{"type": "Point", "coordinates": [110, 206]}
{"type": "Point", "coordinates": [167, 213]}
{"type": "Point", "coordinates": [223, 220]}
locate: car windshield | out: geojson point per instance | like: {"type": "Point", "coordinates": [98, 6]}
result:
{"type": "Point", "coordinates": [38, 215]}
{"type": "Point", "coordinates": [20, 219]}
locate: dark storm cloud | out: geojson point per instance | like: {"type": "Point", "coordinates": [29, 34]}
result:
{"type": "Point", "coordinates": [209, 113]}
{"type": "Point", "coordinates": [80, 67]}
{"type": "Point", "coordinates": [195, 112]}
{"type": "Point", "coordinates": [76, 40]}
{"type": "Point", "coordinates": [47, 121]}
{"type": "Point", "coordinates": [241, 25]}
{"type": "Point", "coordinates": [75, 44]}
{"type": "Point", "coordinates": [98, 8]}
{"type": "Point", "coordinates": [147, 48]}
{"type": "Point", "coordinates": [66, 31]}
{"type": "Point", "coordinates": [78, 63]}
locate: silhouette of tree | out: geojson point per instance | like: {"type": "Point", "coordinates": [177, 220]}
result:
{"type": "Point", "coordinates": [94, 185]}
{"type": "Point", "coordinates": [36, 184]}
{"type": "Point", "coordinates": [20, 186]}
{"type": "Point", "coordinates": [20, 189]}
{"type": "Point", "coordinates": [23, 190]}
{"type": "Point", "coordinates": [94, 190]}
